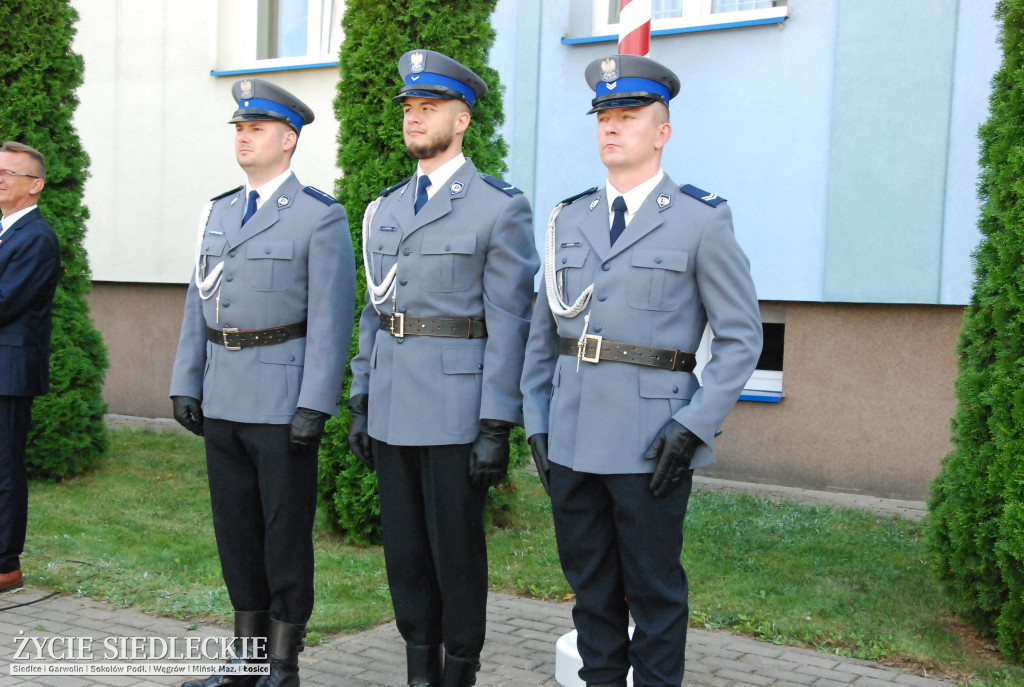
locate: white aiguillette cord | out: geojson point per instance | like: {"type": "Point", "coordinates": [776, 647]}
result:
{"type": "Point", "coordinates": [208, 286]}
{"type": "Point", "coordinates": [378, 293]}
{"type": "Point", "coordinates": [558, 306]}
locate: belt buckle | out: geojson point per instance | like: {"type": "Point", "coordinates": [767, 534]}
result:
{"type": "Point", "coordinates": [588, 338]}
{"type": "Point", "coordinates": [400, 317]}
{"type": "Point", "coordinates": [224, 333]}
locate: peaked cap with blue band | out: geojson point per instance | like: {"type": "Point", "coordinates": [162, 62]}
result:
{"type": "Point", "coordinates": [429, 74]}
{"type": "Point", "coordinates": [261, 100]}
{"type": "Point", "coordinates": [630, 81]}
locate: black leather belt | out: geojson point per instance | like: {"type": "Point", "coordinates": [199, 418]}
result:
{"type": "Point", "coordinates": [399, 326]}
{"type": "Point", "coordinates": [596, 348]}
{"type": "Point", "coordinates": [235, 339]}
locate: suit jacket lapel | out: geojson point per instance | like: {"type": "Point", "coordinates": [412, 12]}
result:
{"type": "Point", "coordinates": [23, 221]}
{"type": "Point", "coordinates": [269, 212]}
{"type": "Point", "coordinates": [648, 217]}
{"type": "Point", "coordinates": [441, 204]}
{"type": "Point", "coordinates": [595, 227]}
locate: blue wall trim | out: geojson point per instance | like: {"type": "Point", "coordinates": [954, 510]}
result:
{"type": "Point", "coordinates": [762, 399]}
{"type": "Point", "coordinates": [262, 70]}
{"type": "Point", "coordinates": [683, 29]}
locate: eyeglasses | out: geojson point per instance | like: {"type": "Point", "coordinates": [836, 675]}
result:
{"type": "Point", "coordinates": [12, 173]}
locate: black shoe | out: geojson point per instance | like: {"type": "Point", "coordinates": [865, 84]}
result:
{"type": "Point", "coordinates": [249, 625]}
{"type": "Point", "coordinates": [284, 645]}
{"type": "Point", "coordinates": [459, 672]}
{"type": "Point", "coordinates": [424, 665]}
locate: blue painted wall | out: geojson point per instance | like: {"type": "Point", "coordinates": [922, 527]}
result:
{"type": "Point", "coordinates": [845, 138]}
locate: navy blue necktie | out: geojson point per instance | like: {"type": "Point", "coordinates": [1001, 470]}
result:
{"type": "Point", "coordinates": [618, 218]}
{"type": "Point", "coordinates": [421, 192]}
{"type": "Point", "coordinates": [250, 209]}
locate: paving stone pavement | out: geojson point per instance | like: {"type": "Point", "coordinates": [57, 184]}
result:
{"type": "Point", "coordinates": [519, 652]}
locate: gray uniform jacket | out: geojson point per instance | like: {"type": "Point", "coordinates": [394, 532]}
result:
{"type": "Point", "coordinates": [676, 267]}
{"type": "Point", "coordinates": [292, 261]}
{"type": "Point", "coordinates": [469, 253]}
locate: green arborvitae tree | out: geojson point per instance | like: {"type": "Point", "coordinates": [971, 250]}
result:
{"type": "Point", "coordinates": [372, 157]}
{"type": "Point", "coordinates": [976, 523]}
{"type": "Point", "coordinates": [38, 77]}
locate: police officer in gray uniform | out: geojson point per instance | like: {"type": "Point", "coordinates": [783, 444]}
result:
{"type": "Point", "coordinates": [450, 259]}
{"type": "Point", "coordinates": [633, 271]}
{"type": "Point", "coordinates": [259, 369]}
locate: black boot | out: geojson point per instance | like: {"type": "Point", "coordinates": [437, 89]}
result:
{"type": "Point", "coordinates": [424, 665]}
{"type": "Point", "coordinates": [249, 625]}
{"type": "Point", "coordinates": [618, 683]}
{"type": "Point", "coordinates": [459, 672]}
{"type": "Point", "coordinates": [284, 645]}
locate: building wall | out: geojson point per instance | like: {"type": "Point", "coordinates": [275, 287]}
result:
{"type": "Point", "coordinates": [868, 399]}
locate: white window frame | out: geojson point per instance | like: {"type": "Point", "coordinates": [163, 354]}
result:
{"type": "Point", "coordinates": [695, 14]}
{"type": "Point", "coordinates": [323, 38]}
{"type": "Point", "coordinates": [763, 385]}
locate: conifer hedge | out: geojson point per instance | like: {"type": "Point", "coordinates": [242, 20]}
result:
{"type": "Point", "coordinates": [975, 527]}
{"type": "Point", "coordinates": [372, 157]}
{"type": "Point", "coordinates": [38, 77]}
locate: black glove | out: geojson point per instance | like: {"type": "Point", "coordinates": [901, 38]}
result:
{"type": "Point", "coordinates": [189, 413]}
{"type": "Point", "coordinates": [673, 448]}
{"type": "Point", "coordinates": [358, 436]}
{"type": "Point", "coordinates": [488, 459]}
{"type": "Point", "coordinates": [307, 427]}
{"type": "Point", "coordinates": [539, 448]}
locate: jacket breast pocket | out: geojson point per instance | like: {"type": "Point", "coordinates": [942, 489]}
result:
{"type": "Point", "coordinates": [569, 273]}
{"type": "Point", "coordinates": [446, 261]}
{"type": "Point", "coordinates": [657, 278]}
{"type": "Point", "coordinates": [211, 254]}
{"type": "Point", "coordinates": [269, 265]}
{"type": "Point", "coordinates": [383, 249]}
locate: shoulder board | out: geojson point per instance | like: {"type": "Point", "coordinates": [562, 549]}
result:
{"type": "Point", "coordinates": [389, 189]}
{"type": "Point", "coordinates": [324, 198]}
{"type": "Point", "coordinates": [572, 199]}
{"type": "Point", "coordinates": [501, 185]}
{"type": "Point", "coordinates": [701, 195]}
{"type": "Point", "coordinates": [228, 193]}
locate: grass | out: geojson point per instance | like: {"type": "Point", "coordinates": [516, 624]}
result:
{"type": "Point", "coordinates": [136, 531]}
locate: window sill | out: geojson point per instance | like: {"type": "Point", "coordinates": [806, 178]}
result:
{"type": "Point", "coordinates": [682, 29]}
{"type": "Point", "coordinates": [281, 67]}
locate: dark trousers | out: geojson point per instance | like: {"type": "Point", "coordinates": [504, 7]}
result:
{"type": "Point", "coordinates": [620, 548]}
{"type": "Point", "coordinates": [15, 416]}
{"type": "Point", "coordinates": [264, 502]}
{"type": "Point", "coordinates": [434, 545]}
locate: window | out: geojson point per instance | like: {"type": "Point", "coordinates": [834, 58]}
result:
{"type": "Point", "coordinates": [295, 32]}
{"type": "Point", "coordinates": [679, 14]}
{"type": "Point", "coordinates": [766, 382]}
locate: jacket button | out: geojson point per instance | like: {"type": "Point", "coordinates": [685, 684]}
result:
{"type": "Point", "coordinates": [597, 328]}
{"type": "Point", "coordinates": [403, 282]}
{"type": "Point", "coordinates": [401, 310]}
{"type": "Point", "coordinates": [267, 250]}
{"type": "Point", "coordinates": [565, 260]}
{"type": "Point", "coordinates": [230, 277]}
{"type": "Point", "coordinates": [607, 266]}
{"type": "Point", "coordinates": [602, 297]}
{"type": "Point", "coordinates": [406, 251]}
{"type": "Point", "coordinates": [226, 303]}
{"type": "Point", "coordinates": [380, 246]}
{"type": "Point", "coordinates": [231, 253]}
{"type": "Point", "coordinates": [658, 261]}
{"type": "Point", "coordinates": [675, 389]}
{"type": "Point", "coordinates": [448, 247]}
{"type": "Point", "coordinates": [291, 358]}
{"type": "Point", "coordinates": [479, 366]}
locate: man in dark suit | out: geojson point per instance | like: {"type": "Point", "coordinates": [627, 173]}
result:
{"type": "Point", "coordinates": [29, 271]}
